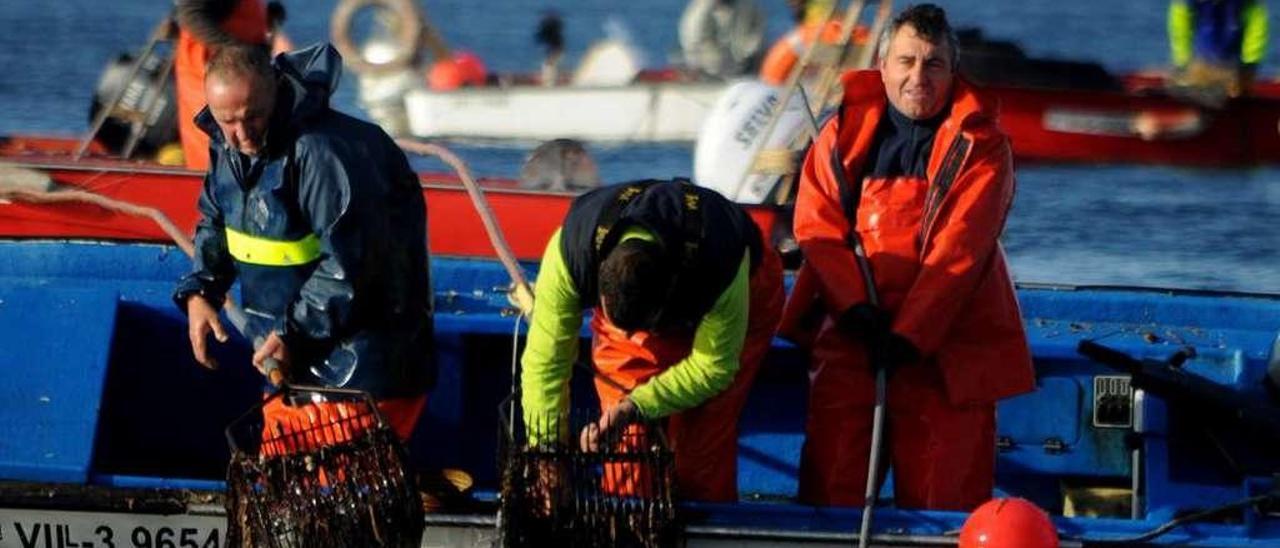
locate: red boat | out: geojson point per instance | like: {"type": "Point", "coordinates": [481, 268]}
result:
{"type": "Point", "coordinates": [1134, 127]}
{"type": "Point", "coordinates": [1071, 111]}
{"type": "Point", "coordinates": [528, 217]}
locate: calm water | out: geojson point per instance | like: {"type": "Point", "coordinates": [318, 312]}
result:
{"type": "Point", "coordinates": [1213, 229]}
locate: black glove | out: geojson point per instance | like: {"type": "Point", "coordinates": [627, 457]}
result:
{"type": "Point", "coordinates": [899, 350]}
{"type": "Point", "coordinates": [865, 321]}
{"type": "Point", "coordinates": [889, 351]}
{"type": "Point", "coordinates": [873, 325]}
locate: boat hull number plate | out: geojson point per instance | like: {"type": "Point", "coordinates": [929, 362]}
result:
{"type": "Point", "coordinates": [62, 529]}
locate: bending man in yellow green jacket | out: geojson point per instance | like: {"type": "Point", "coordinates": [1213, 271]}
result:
{"type": "Point", "coordinates": [685, 298]}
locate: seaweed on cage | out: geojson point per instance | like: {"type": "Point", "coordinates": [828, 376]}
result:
{"type": "Point", "coordinates": [554, 493]}
{"type": "Point", "coordinates": [338, 480]}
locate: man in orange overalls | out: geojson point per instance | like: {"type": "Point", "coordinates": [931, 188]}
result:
{"type": "Point", "coordinates": [206, 25]}
{"type": "Point", "coordinates": [685, 295]}
{"type": "Point", "coordinates": [916, 165]}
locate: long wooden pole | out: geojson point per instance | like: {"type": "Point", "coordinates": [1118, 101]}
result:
{"type": "Point", "coordinates": [832, 71]}
{"type": "Point", "coordinates": [828, 78]}
{"type": "Point", "coordinates": [788, 89]}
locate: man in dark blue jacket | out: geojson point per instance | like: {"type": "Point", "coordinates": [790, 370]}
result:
{"type": "Point", "coordinates": [322, 220]}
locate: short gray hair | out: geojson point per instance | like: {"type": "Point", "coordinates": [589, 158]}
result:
{"type": "Point", "coordinates": [930, 23]}
{"type": "Point", "coordinates": [241, 60]}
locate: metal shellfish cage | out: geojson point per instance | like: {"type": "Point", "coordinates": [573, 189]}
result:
{"type": "Point", "coordinates": [555, 493]}
{"type": "Point", "coordinates": [319, 467]}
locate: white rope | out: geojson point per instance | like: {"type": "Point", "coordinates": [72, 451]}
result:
{"type": "Point", "coordinates": [522, 292]}
{"type": "Point", "coordinates": [64, 196]}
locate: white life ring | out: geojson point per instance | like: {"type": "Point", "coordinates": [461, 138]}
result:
{"type": "Point", "coordinates": [408, 35]}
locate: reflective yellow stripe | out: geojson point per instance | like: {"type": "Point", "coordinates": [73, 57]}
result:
{"type": "Point", "coordinates": [262, 251]}
{"type": "Point", "coordinates": [1254, 43]}
{"type": "Point", "coordinates": [1181, 32]}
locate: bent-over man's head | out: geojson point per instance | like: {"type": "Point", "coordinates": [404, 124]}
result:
{"type": "Point", "coordinates": [240, 86]}
{"type": "Point", "coordinates": [635, 282]}
{"type": "Point", "coordinates": [918, 61]}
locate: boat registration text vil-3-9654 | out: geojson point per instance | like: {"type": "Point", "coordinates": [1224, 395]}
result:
{"type": "Point", "coordinates": [56, 529]}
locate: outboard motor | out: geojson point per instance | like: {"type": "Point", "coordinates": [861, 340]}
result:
{"type": "Point", "coordinates": [734, 156]}
{"type": "Point", "coordinates": [147, 99]}
{"type": "Point", "coordinates": [725, 157]}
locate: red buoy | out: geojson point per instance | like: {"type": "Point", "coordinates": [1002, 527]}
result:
{"type": "Point", "coordinates": [1008, 523]}
{"type": "Point", "coordinates": [463, 68]}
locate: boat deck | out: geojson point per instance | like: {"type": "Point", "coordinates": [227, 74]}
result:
{"type": "Point", "coordinates": [102, 391]}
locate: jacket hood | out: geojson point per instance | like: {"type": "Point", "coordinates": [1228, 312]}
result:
{"type": "Point", "coordinates": [864, 87]}
{"type": "Point", "coordinates": [306, 78]}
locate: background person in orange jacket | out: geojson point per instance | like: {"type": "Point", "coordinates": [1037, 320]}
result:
{"type": "Point", "coordinates": [206, 25]}
{"type": "Point", "coordinates": [916, 159]}
{"type": "Point", "coordinates": [686, 297]}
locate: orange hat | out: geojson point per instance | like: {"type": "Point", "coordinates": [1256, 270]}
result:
{"type": "Point", "coordinates": [1008, 523]}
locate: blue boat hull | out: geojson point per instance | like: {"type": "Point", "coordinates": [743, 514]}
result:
{"type": "Point", "coordinates": [97, 388]}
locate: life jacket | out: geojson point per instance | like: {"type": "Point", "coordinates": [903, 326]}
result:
{"type": "Point", "coordinates": [702, 233]}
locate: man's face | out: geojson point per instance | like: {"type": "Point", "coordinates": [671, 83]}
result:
{"type": "Point", "coordinates": [242, 108]}
{"type": "Point", "coordinates": [917, 74]}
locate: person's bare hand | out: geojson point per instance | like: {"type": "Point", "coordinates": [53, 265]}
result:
{"type": "Point", "coordinates": [201, 320]}
{"type": "Point", "coordinates": [275, 349]}
{"type": "Point", "coordinates": [612, 421]}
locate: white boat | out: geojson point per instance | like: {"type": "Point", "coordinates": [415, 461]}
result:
{"type": "Point", "coordinates": [659, 111]}
{"type": "Point", "coordinates": [608, 98]}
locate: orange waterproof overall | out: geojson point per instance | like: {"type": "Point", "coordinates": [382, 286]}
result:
{"type": "Point", "coordinates": [941, 273]}
{"type": "Point", "coordinates": [705, 438]}
{"type": "Point", "coordinates": [248, 23]}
